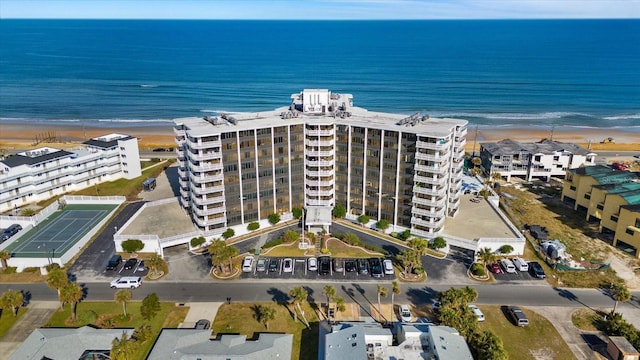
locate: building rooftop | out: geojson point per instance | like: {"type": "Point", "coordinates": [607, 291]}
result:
{"type": "Point", "coordinates": [107, 141]}
{"type": "Point", "coordinates": [546, 146]}
{"type": "Point", "coordinates": [193, 343]}
{"type": "Point", "coordinates": [35, 156]}
{"type": "Point", "coordinates": [416, 123]}
{"type": "Point", "coordinates": [605, 175]}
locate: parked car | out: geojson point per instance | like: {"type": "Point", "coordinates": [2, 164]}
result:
{"type": "Point", "coordinates": [261, 265]}
{"type": "Point", "coordinates": [203, 324]}
{"type": "Point", "coordinates": [363, 266]}
{"type": "Point", "coordinates": [126, 282]}
{"type": "Point", "coordinates": [287, 265]}
{"type": "Point", "coordinates": [508, 266]}
{"type": "Point", "coordinates": [337, 265]}
{"type": "Point", "coordinates": [518, 317]}
{"type": "Point", "coordinates": [247, 264]}
{"type": "Point", "coordinates": [477, 312]}
{"type": "Point", "coordinates": [495, 268]}
{"type": "Point", "coordinates": [324, 265]}
{"type": "Point", "coordinates": [350, 266]}
{"type": "Point", "coordinates": [141, 266]}
{"type": "Point", "coordinates": [130, 264]}
{"type": "Point", "coordinates": [405, 313]}
{"type": "Point", "coordinates": [388, 267]}
{"type": "Point", "coordinates": [114, 261]}
{"type": "Point", "coordinates": [535, 269]}
{"type": "Point", "coordinates": [273, 265]}
{"type": "Point", "coordinates": [312, 264]}
{"type": "Point", "coordinates": [376, 267]}
{"type": "Point", "coordinates": [10, 231]}
{"type": "Point", "coordinates": [520, 264]}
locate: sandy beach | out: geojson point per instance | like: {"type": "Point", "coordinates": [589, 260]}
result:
{"type": "Point", "coordinates": [25, 136]}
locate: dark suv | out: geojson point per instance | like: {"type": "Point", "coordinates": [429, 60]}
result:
{"type": "Point", "coordinates": [536, 270]}
{"type": "Point", "coordinates": [114, 262]}
{"type": "Point", "coordinates": [324, 263]}
{"type": "Point", "coordinates": [363, 266]}
{"type": "Point", "coordinates": [518, 317]}
{"type": "Point", "coordinates": [376, 267]}
{"type": "Point", "coordinates": [10, 231]}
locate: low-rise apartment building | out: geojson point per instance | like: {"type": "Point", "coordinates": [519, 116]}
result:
{"type": "Point", "coordinates": [610, 197]}
{"type": "Point", "coordinates": [39, 174]}
{"type": "Point", "coordinates": [316, 153]}
{"type": "Point", "coordinates": [540, 160]}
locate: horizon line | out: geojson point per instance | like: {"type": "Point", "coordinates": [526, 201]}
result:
{"type": "Point", "coordinates": [303, 19]}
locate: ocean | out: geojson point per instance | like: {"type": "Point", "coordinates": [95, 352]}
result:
{"type": "Point", "coordinates": [494, 73]}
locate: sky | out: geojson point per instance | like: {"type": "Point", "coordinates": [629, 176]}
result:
{"type": "Point", "coordinates": [320, 9]}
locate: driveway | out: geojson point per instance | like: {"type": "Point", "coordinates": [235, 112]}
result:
{"type": "Point", "coordinates": [186, 266]}
{"type": "Point", "coordinates": [37, 315]}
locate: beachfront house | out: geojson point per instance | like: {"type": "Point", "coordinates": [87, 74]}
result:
{"type": "Point", "coordinates": [539, 160]}
{"type": "Point", "coordinates": [39, 174]}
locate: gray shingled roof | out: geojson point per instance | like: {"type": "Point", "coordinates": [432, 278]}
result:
{"type": "Point", "coordinates": [66, 343]}
{"type": "Point", "coordinates": [192, 343]}
{"type": "Point", "coordinates": [105, 144]}
{"type": "Point", "coordinates": [508, 146]}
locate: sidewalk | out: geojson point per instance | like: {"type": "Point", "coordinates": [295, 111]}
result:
{"type": "Point", "coordinates": [38, 312]}
{"type": "Point", "coordinates": [200, 310]}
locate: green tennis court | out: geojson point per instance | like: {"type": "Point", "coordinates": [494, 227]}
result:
{"type": "Point", "coordinates": [60, 231]}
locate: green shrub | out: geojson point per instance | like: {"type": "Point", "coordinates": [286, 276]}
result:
{"type": "Point", "coordinates": [382, 224]}
{"type": "Point", "coordinates": [52, 266]}
{"type": "Point", "coordinates": [31, 269]}
{"type": "Point", "coordinates": [297, 212]}
{"type": "Point", "coordinates": [274, 219]}
{"type": "Point", "coordinates": [197, 241]}
{"type": "Point", "coordinates": [339, 211]}
{"type": "Point", "coordinates": [375, 248]}
{"type": "Point", "coordinates": [10, 270]}
{"type": "Point", "coordinates": [363, 219]}
{"type": "Point", "coordinates": [273, 243]}
{"type": "Point", "coordinates": [477, 269]}
{"type": "Point", "coordinates": [405, 235]}
{"type": "Point", "coordinates": [228, 233]}
{"type": "Point", "coordinates": [132, 245]}
{"type": "Point", "coordinates": [253, 226]}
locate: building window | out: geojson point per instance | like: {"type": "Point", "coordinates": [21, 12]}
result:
{"type": "Point", "coordinates": [614, 218]}
{"type": "Point", "coordinates": [638, 223]}
{"type": "Point", "coordinates": [587, 196]}
{"type": "Point", "coordinates": [629, 231]}
{"type": "Point", "coordinates": [600, 206]}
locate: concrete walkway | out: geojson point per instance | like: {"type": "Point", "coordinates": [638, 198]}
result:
{"type": "Point", "coordinates": [38, 313]}
{"type": "Point", "coordinates": [200, 310]}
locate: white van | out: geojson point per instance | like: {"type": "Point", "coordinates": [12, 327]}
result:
{"type": "Point", "coordinates": [520, 264]}
{"type": "Point", "coordinates": [508, 266]}
{"type": "Point", "coordinates": [126, 282]}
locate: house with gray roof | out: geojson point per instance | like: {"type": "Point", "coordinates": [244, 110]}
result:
{"type": "Point", "coordinates": [541, 160]}
{"type": "Point", "coordinates": [198, 344]}
{"type": "Point", "coordinates": [68, 343]}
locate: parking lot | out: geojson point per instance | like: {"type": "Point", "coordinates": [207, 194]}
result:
{"type": "Point", "coordinates": [342, 269]}
{"type": "Point", "coordinates": [136, 268]}
{"type": "Point", "coordinates": [517, 276]}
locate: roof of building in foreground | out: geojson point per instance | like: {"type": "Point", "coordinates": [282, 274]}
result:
{"type": "Point", "coordinates": [66, 343]}
{"type": "Point", "coordinates": [193, 343]}
{"type": "Point", "coordinates": [605, 175]}
{"type": "Point", "coordinates": [545, 146]}
{"type": "Point", "coordinates": [237, 121]}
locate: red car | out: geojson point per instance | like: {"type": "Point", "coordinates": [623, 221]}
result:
{"type": "Point", "coordinates": [495, 268]}
{"type": "Point", "coordinates": [619, 166]}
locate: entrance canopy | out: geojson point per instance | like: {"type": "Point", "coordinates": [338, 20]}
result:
{"type": "Point", "coordinates": [318, 215]}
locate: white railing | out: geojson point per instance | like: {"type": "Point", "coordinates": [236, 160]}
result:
{"type": "Point", "coordinates": [319, 132]}
{"type": "Point", "coordinates": [429, 145]}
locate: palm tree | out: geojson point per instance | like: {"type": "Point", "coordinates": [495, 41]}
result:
{"type": "Point", "coordinates": [143, 333]}
{"type": "Point", "coordinates": [410, 259]}
{"type": "Point", "coordinates": [123, 348]}
{"type": "Point", "coordinates": [330, 292]}
{"type": "Point", "coordinates": [71, 294]}
{"type": "Point", "coordinates": [230, 252]}
{"type": "Point", "coordinates": [620, 293]}
{"type": "Point", "coordinates": [496, 176]}
{"type": "Point", "coordinates": [476, 161]}
{"type": "Point", "coordinates": [395, 289]}
{"type": "Point", "coordinates": [298, 294]}
{"type": "Point", "coordinates": [4, 257]}
{"type": "Point", "coordinates": [420, 245]}
{"type": "Point", "coordinates": [487, 256]}
{"type": "Point", "coordinates": [266, 314]}
{"type": "Point", "coordinates": [382, 292]}
{"type": "Point", "coordinates": [57, 279]}
{"type": "Point", "coordinates": [476, 171]}
{"type": "Point", "coordinates": [155, 262]}
{"type": "Point", "coordinates": [123, 296]}
{"type": "Point", "coordinates": [12, 299]}
{"type": "Point", "coordinates": [340, 303]}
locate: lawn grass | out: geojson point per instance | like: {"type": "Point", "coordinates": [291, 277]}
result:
{"type": "Point", "coordinates": [92, 313]}
{"type": "Point", "coordinates": [7, 319]}
{"type": "Point", "coordinates": [586, 319]}
{"type": "Point", "coordinates": [539, 340]}
{"type": "Point", "coordinates": [22, 277]}
{"type": "Point", "coordinates": [240, 318]}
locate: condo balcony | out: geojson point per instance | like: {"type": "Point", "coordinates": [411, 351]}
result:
{"type": "Point", "coordinates": [316, 163]}
{"type": "Point", "coordinates": [439, 145]}
{"type": "Point", "coordinates": [206, 201]}
{"type": "Point", "coordinates": [184, 193]}
{"type": "Point", "coordinates": [436, 213]}
{"type": "Point", "coordinates": [430, 190]}
{"type": "Point", "coordinates": [317, 202]}
{"type": "Point", "coordinates": [209, 211]}
{"type": "Point", "coordinates": [431, 180]}
{"type": "Point", "coordinates": [201, 221]}
{"type": "Point", "coordinates": [319, 153]}
{"type": "Point", "coordinates": [319, 183]}
{"type": "Point", "coordinates": [179, 132]}
{"type": "Point", "coordinates": [319, 173]}
{"type": "Point", "coordinates": [431, 223]}
{"type": "Point", "coordinates": [321, 142]}
{"type": "Point", "coordinates": [206, 166]}
{"type": "Point", "coordinates": [316, 193]}
{"type": "Point", "coordinates": [206, 189]}
{"type": "Point", "coordinates": [207, 178]}
{"type": "Point", "coordinates": [320, 132]}
{"type": "Point", "coordinates": [427, 202]}
{"type": "Point", "coordinates": [431, 169]}
{"type": "Point", "coordinates": [208, 155]}
{"type": "Point", "coordinates": [204, 144]}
